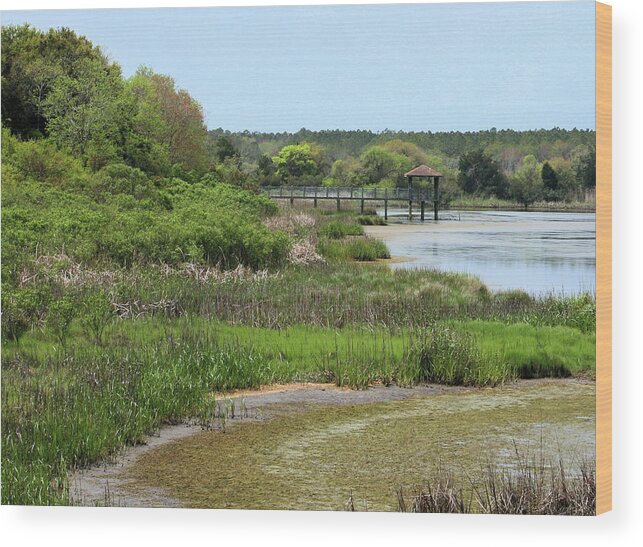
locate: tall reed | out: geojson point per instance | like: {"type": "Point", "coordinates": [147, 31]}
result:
{"type": "Point", "coordinates": [534, 488]}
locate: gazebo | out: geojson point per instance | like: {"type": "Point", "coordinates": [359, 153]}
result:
{"type": "Point", "coordinates": [424, 172]}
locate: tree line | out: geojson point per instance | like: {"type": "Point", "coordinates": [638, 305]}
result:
{"type": "Point", "coordinates": [526, 166]}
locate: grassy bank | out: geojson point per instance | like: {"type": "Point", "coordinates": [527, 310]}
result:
{"type": "Point", "coordinates": [308, 353]}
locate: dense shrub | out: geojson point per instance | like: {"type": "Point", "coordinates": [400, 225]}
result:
{"type": "Point", "coordinates": [22, 308]}
{"type": "Point", "coordinates": [121, 216]}
{"type": "Point", "coordinates": [40, 160]}
{"type": "Point", "coordinates": [121, 179]}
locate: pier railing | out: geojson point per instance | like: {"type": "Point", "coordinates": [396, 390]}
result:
{"type": "Point", "coordinates": [368, 194]}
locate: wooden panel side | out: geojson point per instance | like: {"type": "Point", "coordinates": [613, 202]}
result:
{"type": "Point", "coordinates": [603, 258]}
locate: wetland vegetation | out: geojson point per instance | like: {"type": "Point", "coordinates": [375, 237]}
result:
{"type": "Point", "coordinates": [143, 273]}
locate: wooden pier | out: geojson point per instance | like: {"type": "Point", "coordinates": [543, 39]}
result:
{"type": "Point", "coordinates": [420, 196]}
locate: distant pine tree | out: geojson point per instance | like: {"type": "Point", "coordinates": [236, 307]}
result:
{"type": "Point", "coordinates": [549, 176]}
{"type": "Point", "coordinates": [586, 169]}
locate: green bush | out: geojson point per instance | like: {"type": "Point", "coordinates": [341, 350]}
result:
{"type": "Point", "coordinates": [22, 308]}
{"type": "Point", "coordinates": [367, 249]}
{"type": "Point", "coordinates": [59, 317]}
{"type": "Point", "coordinates": [97, 313]}
{"type": "Point", "coordinates": [133, 222]}
{"type": "Point", "coordinates": [41, 161]}
{"type": "Point", "coordinates": [121, 179]}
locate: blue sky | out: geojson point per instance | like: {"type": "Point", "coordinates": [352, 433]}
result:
{"type": "Point", "coordinates": [410, 67]}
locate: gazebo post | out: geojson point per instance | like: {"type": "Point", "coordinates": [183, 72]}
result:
{"type": "Point", "coordinates": [424, 172]}
{"type": "Point", "coordinates": [385, 203]}
{"type": "Point", "coordinates": [410, 200]}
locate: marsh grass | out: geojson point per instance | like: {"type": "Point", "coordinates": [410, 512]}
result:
{"type": "Point", "coordinates": [371, 220]}
{"type": "Point", "coordinates": [442, 355]}
{"type": "Point", "coordinates": [439, 496]}
{"type": "Point", "coordinates": [80, 406]}
{"type": "Point", "coordinates": [338, 230]}
{"type": "Point", "coordinates": [363, 249]}
{"type": "Point", "coordinates": [476, 202]}
{"type": "Point", "coordinates": [321, 294]}
{"type": "Point", "coordinates": [531, 487]}
{"type": "Point", "coordinates": [538, 489]}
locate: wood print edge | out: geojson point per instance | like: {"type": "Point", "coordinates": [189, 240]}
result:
{"type": "Point", "coordinates": [603, 258]}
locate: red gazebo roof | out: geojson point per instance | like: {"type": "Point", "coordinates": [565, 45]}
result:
{"type": "Point", "coordinates": [423, 171]}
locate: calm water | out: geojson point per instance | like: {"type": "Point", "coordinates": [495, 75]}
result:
{"type": "Point", "coordinates": [534, 251]}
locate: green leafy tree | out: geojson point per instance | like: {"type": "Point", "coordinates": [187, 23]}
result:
{"type": "Point", "coordinates": [347, 172]}
{"type": "Point", "coordinates": [294, 162]}
{"type": "Point", "coordinates": [527, 184]}
{"type": "Point", "coordinates": [83, 112]}
{"type": "Point", "coordinates": [552, 190]}
{"type": "Point", "coordinates": [41, 76]}
{"type": "Point", "coordinates": [412, 151]}
{"type": "Point", "coordinates": [230, 171]}
{"type": "Point", "coordinates": [266, 171]}
{"type": "Point", "coordinates": [32, 63]}
{"type": "Point", "coordinates": [225, 149]}
{"type": "Point", "coordinates": [379, 164]}
{"type": "Point", "coordinates": [568, 184]}
{"type": "Point", "coordinates": [145, 135]}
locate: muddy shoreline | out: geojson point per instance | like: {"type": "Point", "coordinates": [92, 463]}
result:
{"type": "Point", "coordinates": [107, 484]}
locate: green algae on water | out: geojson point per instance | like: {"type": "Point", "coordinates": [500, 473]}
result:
{"type": "Point", "coordinates": [315, 457]}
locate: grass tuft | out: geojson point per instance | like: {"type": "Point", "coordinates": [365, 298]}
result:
{"type": "Point", "coordinates": [534, 488]}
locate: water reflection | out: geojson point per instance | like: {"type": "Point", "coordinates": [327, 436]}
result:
{"type": "Point", "coordinates": [534, 251]}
